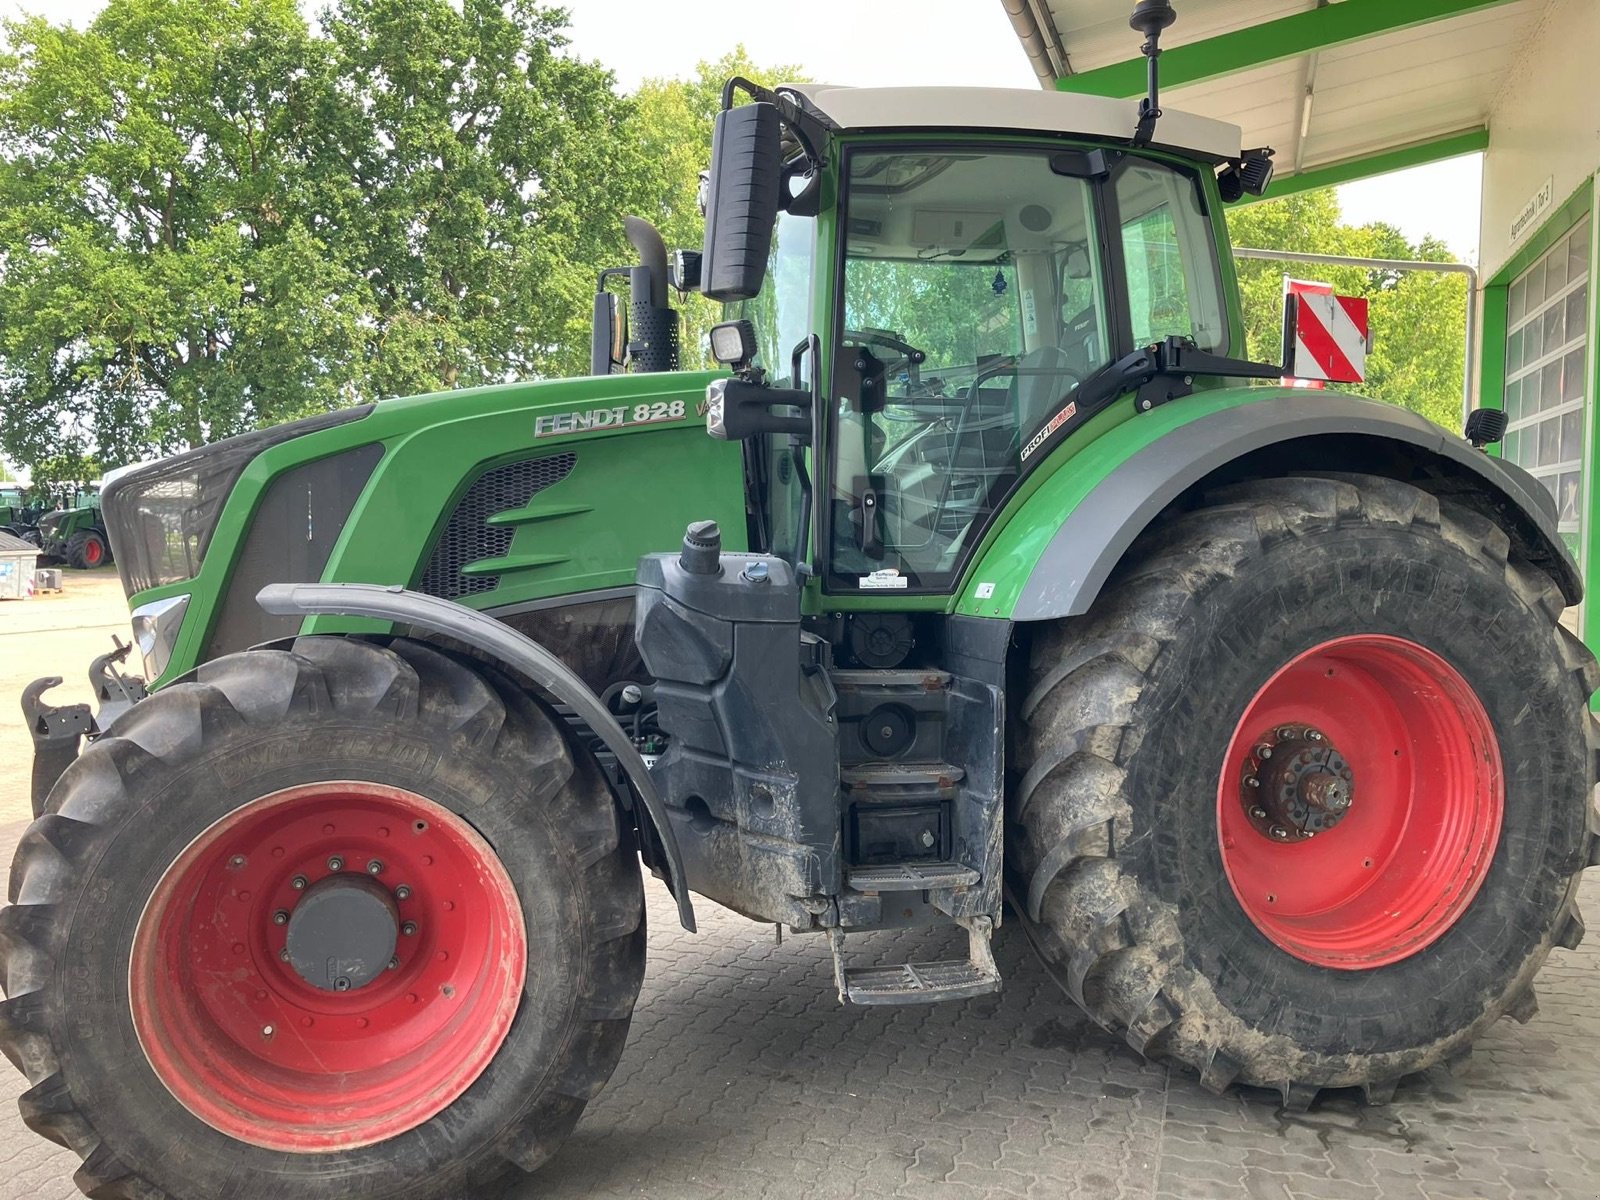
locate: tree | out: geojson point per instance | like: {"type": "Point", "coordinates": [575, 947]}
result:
{"type": "Point", "coordinates": [213, 218]}
{"type": "Point", "coordinates": [1417, 319]}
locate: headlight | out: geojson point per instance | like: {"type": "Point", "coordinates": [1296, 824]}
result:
{"type": "Point", "coordinates": [155, 629]}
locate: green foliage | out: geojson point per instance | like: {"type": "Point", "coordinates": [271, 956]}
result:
{"type": "Point", "coordinates": [213, 218]}
{"type": "Point", "coordinates": [1418, 318]}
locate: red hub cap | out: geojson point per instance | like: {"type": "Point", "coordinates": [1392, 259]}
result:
{"type": "Point", "coordinates": [92, 553]}
{"type": "Point", "coordinates": [342, 1042]}
{"type": "Point", "coordinates": [1360, 802]}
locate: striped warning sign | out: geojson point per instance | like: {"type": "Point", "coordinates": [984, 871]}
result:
{"type": "Point", "coordinates": [1330, 334]}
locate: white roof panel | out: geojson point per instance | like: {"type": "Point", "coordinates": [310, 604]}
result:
{"type": "Point", "coordinates": [1013, 108]}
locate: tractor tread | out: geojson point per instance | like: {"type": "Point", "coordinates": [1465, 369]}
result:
{"type": "Point", "coordinates": [322, 678]}
{"type": "Point", "coordinates": [1112, 946]}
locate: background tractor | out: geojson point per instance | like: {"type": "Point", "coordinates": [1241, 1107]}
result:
{"type": "Point", "coordinates": [75, 533]}
{"type": "Point", "coordinates": [19, 513]}
{"type": "Point", "coordinates": [1002, 590]}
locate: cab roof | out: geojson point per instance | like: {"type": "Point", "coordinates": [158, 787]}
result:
{"type": "Point", "coordinates": [1015, 109]}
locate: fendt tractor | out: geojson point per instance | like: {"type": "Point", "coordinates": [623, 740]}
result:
{"type": "Point", "coordinates": [76, 532]}
{"type": "Point", "coordinates": [1003, 587]}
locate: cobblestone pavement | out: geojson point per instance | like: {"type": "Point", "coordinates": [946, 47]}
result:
{"type": "Point", "coordinates": [744, 1078]}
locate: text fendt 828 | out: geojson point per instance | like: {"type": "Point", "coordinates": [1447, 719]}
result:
{"type": "Point", "coordinates": [1003, 593]}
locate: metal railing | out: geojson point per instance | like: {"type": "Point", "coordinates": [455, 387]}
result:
{"type": "Point", "coordinates": [1397, 264]}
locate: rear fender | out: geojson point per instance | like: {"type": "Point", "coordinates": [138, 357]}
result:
{"type": "Point", "coordinates": [1275, 437]}
{"type": "Point", "coordinates": [514, 652]}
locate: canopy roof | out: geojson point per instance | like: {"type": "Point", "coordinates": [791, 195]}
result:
{"type": "Point", "coordinates": [1340, 89]}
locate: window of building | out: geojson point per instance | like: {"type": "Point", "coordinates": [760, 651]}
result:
{"type": "Point", "coordinates": [1547, 372]}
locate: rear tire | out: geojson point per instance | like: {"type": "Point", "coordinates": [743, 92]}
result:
{"type": "Point", "coordinates": [100, 880]}
{"type": "Point", "coordinates": [1124, 845]}
{"type": "Point", "coordinates": [87, 549]}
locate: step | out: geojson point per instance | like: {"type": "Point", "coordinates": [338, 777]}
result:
{"type": "Point", "coordinates": [896, 680]}
{"type": "Point", "coordinates": [918, 983]}
{"type": "Point", "coordinates": [921, 983]}
{"type": "Point", "coordinates": [910, 877]}
{"type": "Point", "coordinates": [870, 776]}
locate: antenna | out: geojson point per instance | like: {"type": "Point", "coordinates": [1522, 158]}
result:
{"type": "Point", "coordinates": [1150, 17]}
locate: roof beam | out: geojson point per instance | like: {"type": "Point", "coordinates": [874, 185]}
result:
{"type": "Point", "coordinates": [1416, 154]}
{"type": "Point", "coordinates": [1270, 42]}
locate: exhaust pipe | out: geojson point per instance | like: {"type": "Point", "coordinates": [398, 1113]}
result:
{"type": "Point", "coordinates": [653, 326]}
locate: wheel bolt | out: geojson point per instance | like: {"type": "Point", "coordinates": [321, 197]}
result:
{"type": "Point", "coordinates": [394, 964]}
{"type": "Point", "coordinates": [267, 1031]}
{"type": "Point", "coordinates": [1278, 831]}
{"type": "Point", "coordinates": [237, 861]}
{"type": "Point", "coordinates": [1264, 751]}
{"type": "Point", "coordinates": [409, 928]}
{"type": "Point", "coordinates": [1313, 735]}
{"type": "Point", "coordinates": [402, 892]}
{"type": "Point", "coordinates": [374, 867]}
{"type": "Point", "coordinates": [284, 954]}
{"type": "Point", "coordinates": [298, 883]}
{"type": "Point", "coordinates": [1252, 781]}
{"type": "Point", "coordinates": [336, 863]}
{"type": "Point", "coordinates": [281, 917]}
{"type": "Point", "coordinates": [1258, 813]}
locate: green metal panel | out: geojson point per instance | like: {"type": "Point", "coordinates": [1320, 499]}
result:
{"type": "Point", "coordinates": [634, 488]}
{"type": "Point", "coordinates": [1472, 141]}
{"type": "Point", "coordinates": [1270, 42]}
{"type": "Point", "coordinates": [1080, 466]}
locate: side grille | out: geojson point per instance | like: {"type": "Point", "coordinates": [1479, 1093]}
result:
{"type": "Point", "coordinates": [468, 538]}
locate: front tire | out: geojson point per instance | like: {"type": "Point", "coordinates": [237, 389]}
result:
{"type": "Point", "coordinates": [152, 997]}
{"type": "Point", "coordinates": [87, 549]}
{"type": "Point", "coordinates": [1372, 635]}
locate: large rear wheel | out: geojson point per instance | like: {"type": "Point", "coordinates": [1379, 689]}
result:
{"type": "Point", "coordinates": [87, 549]}
{"type": "Point", "coordinates": [343, 920]}
{"type": "Point", "coordinates": [1306, 798]}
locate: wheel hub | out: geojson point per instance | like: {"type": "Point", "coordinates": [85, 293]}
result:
{"type": "Point", "coordinates": [343, 934]}
{"type": "Point", "coordinates": [1296, 784]}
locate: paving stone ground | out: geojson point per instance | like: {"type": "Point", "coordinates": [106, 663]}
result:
{"type": "Point", "coordinates": [744, 1079]}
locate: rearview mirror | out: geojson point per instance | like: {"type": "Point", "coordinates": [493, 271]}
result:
{"type": "Point", "coordinates": [743, 195]}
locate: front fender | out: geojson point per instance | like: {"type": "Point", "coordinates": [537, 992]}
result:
{"type": "Point", "coordinates": [505, 645]}
{"type": "Point", "coordinates": [1062, 578]}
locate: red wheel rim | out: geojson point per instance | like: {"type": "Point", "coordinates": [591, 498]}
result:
{"type": "Point", "coordinates": [92, 552]}
{"type": "Point", "coordinates": [1402, 862]}
{"type": "Point", "coordinates": [256, 1051]}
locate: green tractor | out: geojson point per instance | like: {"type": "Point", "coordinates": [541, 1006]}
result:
{"type": "Point", "coordinates": [75, 533]}
{"type": "Point", "coordinates": [997, 592]}
{"type": "Point", "coordinates": [20, 510]}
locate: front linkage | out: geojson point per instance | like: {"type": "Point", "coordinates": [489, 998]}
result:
{"type": "Point", "coordinates": [58, 731]}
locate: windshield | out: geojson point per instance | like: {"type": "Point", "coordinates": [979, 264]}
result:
{"type": "Point", "coordinates": [973, 306]}
{"type": "Point", "coordinates": [781, 314]}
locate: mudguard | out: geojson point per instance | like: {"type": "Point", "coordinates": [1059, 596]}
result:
{"type": "Point", "coordinates": [513, 650]}
{"type": "Point", "coordinates": [1069, 573]}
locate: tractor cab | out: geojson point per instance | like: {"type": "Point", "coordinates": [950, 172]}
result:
{"type": "Point", "coordinates": [938, 287]}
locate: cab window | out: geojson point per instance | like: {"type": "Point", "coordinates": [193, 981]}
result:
{"type": "Point", "coordinates": [973, 303]}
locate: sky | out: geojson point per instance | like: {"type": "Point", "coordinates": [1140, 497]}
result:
{"type": "Point", "coordinates": [904, 42]}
